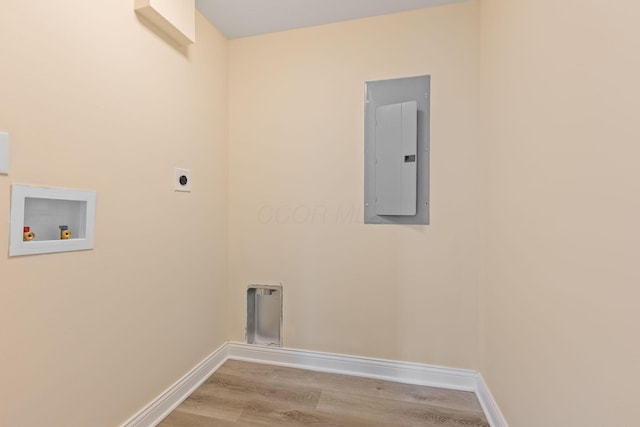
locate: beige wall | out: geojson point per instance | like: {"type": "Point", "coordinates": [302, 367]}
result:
{"type": "Point", "coordinates": [527, 271]}
{"type": "Point", "coordinates": [560, 320]}
{"type": "Point", "coordinates": [296, 178]}
{"type": "Point", "coordinates": [94, 99]}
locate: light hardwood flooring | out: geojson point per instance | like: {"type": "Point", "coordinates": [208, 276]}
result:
{"type": "Point", "coordinates": [250, 394]}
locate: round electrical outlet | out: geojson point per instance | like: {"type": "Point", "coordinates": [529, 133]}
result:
{"type": "Point", "coordinates": [182, 180]}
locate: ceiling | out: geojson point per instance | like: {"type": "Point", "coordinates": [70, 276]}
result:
{"type": "Point", "coordinates": [243, 18]}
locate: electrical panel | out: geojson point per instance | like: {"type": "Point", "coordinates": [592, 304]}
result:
{"type": "Point", "coordinates": [395, 170]}
{"type": "Point", "coordinates": [397, 151]}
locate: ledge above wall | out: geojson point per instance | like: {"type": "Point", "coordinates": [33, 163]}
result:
{"type": "Point", "coordinates": [175, 18]}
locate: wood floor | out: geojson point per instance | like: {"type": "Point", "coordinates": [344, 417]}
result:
{"type": "Point", "coordinates": [250, 394]}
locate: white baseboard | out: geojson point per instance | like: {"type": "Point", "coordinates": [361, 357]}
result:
{"type": "Point", "coordinates": [489, 405]}
{"type": "Point", "coordinates": [404, 372]}
{"type": "Point", "coordinates": [162, 406]}
{"type": "Point", "coordinates": [410, 373]}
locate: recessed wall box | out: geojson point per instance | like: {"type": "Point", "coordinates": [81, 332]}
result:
{"type": "Point", "coordinates": [4, 153]}
{"type": "Point", "coordinates": [43, 210]}
{"type": "Point", "coordinates": [397, 151]}
{"type": "Point", "coordinates": [264, 315]}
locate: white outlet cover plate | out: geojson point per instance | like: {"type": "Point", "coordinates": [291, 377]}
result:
{"type": "Point", "coordinates": [178, 186]}
{"type": "Point", "coordinates": [4, 153]}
